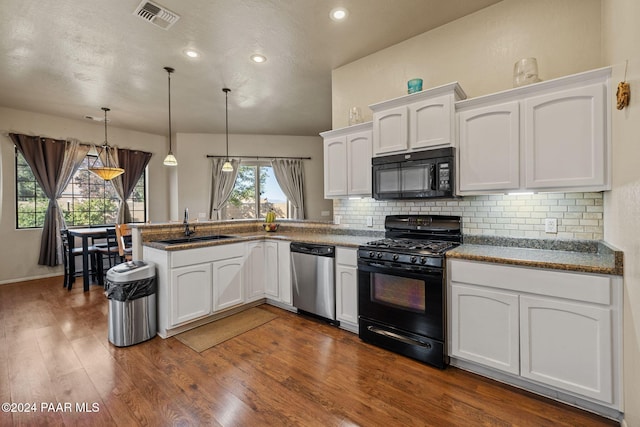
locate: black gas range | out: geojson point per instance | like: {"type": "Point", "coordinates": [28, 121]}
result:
{"type": "Point", "coordinates": [401, 286]}
{"type": "Point", "coordinates": [415, 240]}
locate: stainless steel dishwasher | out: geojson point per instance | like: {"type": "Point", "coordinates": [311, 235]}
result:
{"type": "Point", "coordinates": [313, 278]}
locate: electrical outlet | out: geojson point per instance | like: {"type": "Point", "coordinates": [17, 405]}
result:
{"type": "Point", "coordinates": [336, 219]}
{"type": "Point", "coordinates": [325, 213]}
{"type": "Point", "coordinates": [202, 215]}
{"type": "Point", "coordinates": [551, 225]}
{"type": "Point", "coordinates": [369, 221]}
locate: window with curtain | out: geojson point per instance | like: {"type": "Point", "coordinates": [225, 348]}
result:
{"type": "Point", "coordinates": [255, 193]}
{"type": "Point", "coordinates": [86, 201]}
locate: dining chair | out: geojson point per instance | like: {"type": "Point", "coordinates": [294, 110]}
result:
{"type": "Point", "coordinates": [123, 234]}
{"type": "Point", "coordinates": [110, 250]}
{"type": "Point", "coordinates": [69, 254]}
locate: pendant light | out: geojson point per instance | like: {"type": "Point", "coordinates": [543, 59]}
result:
{"type": "Point", "coordinates": [227, 167]}
{"type": "Point", "coordinates": [170, 160]}
{"type": "Point", "coordinates": [108, 171]}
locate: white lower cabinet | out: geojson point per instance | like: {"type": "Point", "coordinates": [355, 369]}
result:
{"type": "Point", "coordinates": [285, 292]}
{"type": "Point", "coordinates": [561, 330]}
{"type": "Point", "coordinates": [255, 270]}
{"type": "Point", "coordinates": [190, 292]}
{"type": "Point", "coordinates": [567, 345]}
{"type": "Point", "coordinates": [271, 270]}
{"type": "Point", "coordinates": [228, 284]}
{"type": "Point", "coordinates": [347, 288]}
{"type": "Point", "coordinates": [485, 327]}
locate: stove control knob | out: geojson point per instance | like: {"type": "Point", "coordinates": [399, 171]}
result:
{"type": "Point", "coordinates": [371, 254]}
{"type": "Point", "coordinates": [423, 260]}
{"type": "Point", "coordinates": [395, 257]}
{"type": "Point", "coordinates": [379, 254]}
{"type": "Point", "coordinates": [413, 259]}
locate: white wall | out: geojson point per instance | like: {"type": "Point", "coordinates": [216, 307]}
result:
{"type": "Point", "coordinates": [621, 42]}
{"type": "Point", "coordinates": [478, 51]}
{"type": "Point", "coordinates": [20, 248]}
{"type": "Point", "coordinates": [194, 169]}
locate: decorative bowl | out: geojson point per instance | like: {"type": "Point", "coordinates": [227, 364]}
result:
{"type": "Point", "coordinates": [271, 226]}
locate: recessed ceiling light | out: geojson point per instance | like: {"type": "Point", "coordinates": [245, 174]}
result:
{"type": "Point", "coordinates": [191, 53]}
{"type": "Point", "coordinates": [339, 14]}
{"type": "Point", "coordinates": [258, 58]}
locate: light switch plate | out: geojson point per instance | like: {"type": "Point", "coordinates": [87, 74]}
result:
{"type": "Point", "coordinates": [551, 225]}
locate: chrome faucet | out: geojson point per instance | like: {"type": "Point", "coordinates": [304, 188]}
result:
{"type": "Point", "coordinates": [187, 231]}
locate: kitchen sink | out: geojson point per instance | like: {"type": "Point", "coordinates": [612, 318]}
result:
{"type": "Point", "coordinates": [194, 239]}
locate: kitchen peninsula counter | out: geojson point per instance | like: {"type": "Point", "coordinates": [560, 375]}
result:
{"type": "Point", "coordinates": [579, 256]}
{"type": "Point", "coordinates": [150, 235]}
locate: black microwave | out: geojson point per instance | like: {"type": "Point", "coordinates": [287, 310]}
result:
{"type": "Point", "coordinates": [417, 175]}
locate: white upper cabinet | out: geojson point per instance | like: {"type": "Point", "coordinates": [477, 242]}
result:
{"type": "Point", "coordinates": [489, 154]}
{"type": "Point", "coordinates": [565, 138]}
{"type": "Point", "coordinates": [390, 130]}
{"type": "Point", "coordinates": [549, 136]}
{"type": "Point", "coordinates": [417, 121]}
{"type": "Point", "coordinates": [347, 161]}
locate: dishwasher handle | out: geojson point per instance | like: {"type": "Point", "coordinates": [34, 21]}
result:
{"type": "Point", "coordinates": [313, 249]}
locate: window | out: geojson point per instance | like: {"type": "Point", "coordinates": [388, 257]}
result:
{"type": "Point", "coordinates": [86, 201]}
{"type": "Point", "coordinates": [256, 178]}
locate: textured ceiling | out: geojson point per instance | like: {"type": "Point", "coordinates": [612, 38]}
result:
{"type": "Point", "coordinates": [69, 58]}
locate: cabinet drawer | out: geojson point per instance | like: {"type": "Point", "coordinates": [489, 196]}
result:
{"type": "Point", "coordinates": [345, 256]}
{"type": "Point", "coordinates": [575, 286]}
{"type": "Point", "coordinates": [208, 254]}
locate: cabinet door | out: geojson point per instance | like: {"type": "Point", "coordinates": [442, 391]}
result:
{"type": "Point", "coordinates": [390, 131]}
{"type": "Point", "coordinates": [335, 167]}
{"type": "Point", "coordinates": [565, 139]}
{"type": "Point", "coordinates": [567, 345]}
{"type": "Point", "coordinates": [430, 123]}
{"type": "Point", "coordinates": [484, 327]}
{"type": "Point", "coordinates": [190, 293]}
{"type": "Point", "coordinates": [255, 271]}
{"type": "Point", "coordinates": [489, 148]}
{"type": "Point", "coordinates": [359, 147]}
{"type": "Point", "coordinates": [271, 282]}
{"type": "Point", "coordinates": [228, 283]}
{"type": "Point", "coordinates": [347, 294]}
{"type": "Point", "coordinates": [284, 273]}
{"type": "Point", "coordinates": [347, 287]}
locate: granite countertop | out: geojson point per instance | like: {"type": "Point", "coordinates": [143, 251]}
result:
{"type": "Point", "coordinates": [572, 255]}
{"type": "Point", "coordinates": [319, 238]}
{"type": "Point", "coordinates": [307, 232]}
{"type": "Point", "coordinates": [579, 256]}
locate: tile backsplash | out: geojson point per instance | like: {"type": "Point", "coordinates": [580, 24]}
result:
{"type": "Point", "coordinates": [579, 215]}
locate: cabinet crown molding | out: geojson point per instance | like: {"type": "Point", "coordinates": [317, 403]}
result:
{"type": "Point", "coordinates": [453, 87]}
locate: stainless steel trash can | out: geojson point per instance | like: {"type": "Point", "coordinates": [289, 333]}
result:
{"type": "Point", "coordinates": [131, 290]}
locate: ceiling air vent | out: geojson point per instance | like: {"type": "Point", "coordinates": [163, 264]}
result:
{"type": "Point", "coordinates": [156, 14]}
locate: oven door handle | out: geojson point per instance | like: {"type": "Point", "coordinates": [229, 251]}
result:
{"type": "Point", "coordinates": [398, 337]}
{"type": "Point", "coordinates": [374, 267]}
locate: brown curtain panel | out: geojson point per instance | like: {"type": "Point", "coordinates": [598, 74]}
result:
{"type": "Point", "coordinates": [53, 163]}
{"type": "Point", "coordinates": [133, 162]}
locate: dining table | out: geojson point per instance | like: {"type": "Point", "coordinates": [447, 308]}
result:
{"type": "Point", "coordinates": [85, 234]}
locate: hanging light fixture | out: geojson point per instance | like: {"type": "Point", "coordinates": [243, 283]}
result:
{"type": "Point", "coordinates": [227, 167]}
{"type": "Point", "coordinates": [170, 160]}
{"type": "Point", "coordinates": [108, 171]}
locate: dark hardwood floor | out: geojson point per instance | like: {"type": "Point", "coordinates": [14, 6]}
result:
{"type": "Point", "coordinates": [54, 353]}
